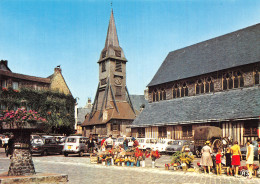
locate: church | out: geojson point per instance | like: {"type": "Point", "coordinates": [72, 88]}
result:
{"type": "Point", "coordinates": [211, 83]}
{"type": "Point", "coordinates": [112, 111]}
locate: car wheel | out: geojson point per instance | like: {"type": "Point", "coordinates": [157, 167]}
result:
{"type": "Point", "coordinates": [81, 153]}
{"type": "Point", "coordinates": [44, 153]}
{"type": "Point", "coordinates": [66, 154]}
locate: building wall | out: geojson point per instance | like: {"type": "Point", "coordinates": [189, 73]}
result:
{"type": "Point", "coordinates": [234, 130]}
{"type": "Point", "coordinates": [58, 83]}
{"type": "Point", "coordinates": [216, 77]}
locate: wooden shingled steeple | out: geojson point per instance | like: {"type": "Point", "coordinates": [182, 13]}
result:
{"type": "Point", "coordinates": [112, 99]}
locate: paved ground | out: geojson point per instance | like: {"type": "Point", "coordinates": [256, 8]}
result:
{"type": "Point", "coordinates": [80, 170]}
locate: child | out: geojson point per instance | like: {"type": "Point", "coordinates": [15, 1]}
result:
{"type": "Point", "coordinates": [218, 162]}
{"type": "Point", "coordinates": [228, 161]}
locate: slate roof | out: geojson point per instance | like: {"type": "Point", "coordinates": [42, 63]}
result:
{"type": "Point", "coordinates": [137, 101]}
{"type": "Point", "coordinates": [234, 49]}
{"type": "Point", "coordinates": [24, 77]}
{"type": "Point", "coordinates": [82, 112]}
{"type": "Point", "coordinates": [226, 105]}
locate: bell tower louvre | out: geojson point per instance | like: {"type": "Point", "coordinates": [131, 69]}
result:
{"type": "Point", "coordinates": [112, 109]}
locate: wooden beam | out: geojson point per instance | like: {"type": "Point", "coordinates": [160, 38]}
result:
{"type": "Point", "coordinates": [128, 96]}
{"type": "Point", "coordinates": [113, 97]}
{"type": "Point", "coordinates": [101, 111]}
{"type": "Point", "coordinates": [95, 102]}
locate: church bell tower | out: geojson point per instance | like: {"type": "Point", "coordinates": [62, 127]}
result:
{"type": "Point", "coordinates": [112, 74]}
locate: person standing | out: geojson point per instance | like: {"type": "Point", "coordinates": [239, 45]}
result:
{"type": "Point", "coordinates": [125, 143]}
{"type": "Point", "coordinates": [91, 145]}
{"type": "Point", "coordinates": [236, 155]}
{"type": "Point", "coordinates": [218, 162]}
{"type": "Point", "coordinates": [206, 160]}
{"type": "Point", "coordinates": [5, 142]}
{"type": "Point", "coordinates": [258, 141]}
{"type": "Point", "coordinates": [250, 158]}
{"type": "Point", "coordinates": [228, 161]}
{"type": "Point", "coordinates": [109, 142]}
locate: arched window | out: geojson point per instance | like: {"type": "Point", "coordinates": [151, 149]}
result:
{"type": "Point", "coordinates": [164, 95]}
{"type": "Point", "coordinates": [199, 87]}
{"type": "Point", "coordinates": [256, 75]}
{"type": "Point", "coordinates": [160, 95]}
{"type": "Point", "coordinates": [233, 80]}
{"type": "Point", "coordinates": [184, 90]}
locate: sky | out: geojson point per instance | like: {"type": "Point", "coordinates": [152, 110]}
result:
{"type": "Point", "coordinates": [36, 36]}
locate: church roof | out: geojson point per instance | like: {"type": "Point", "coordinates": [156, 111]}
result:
{"type": "Point", "coordinates": [112, 48]}
{"type": "Point", "coordinates": [231, 50]}
{"type": "Point", "coordinates": [125, 113]}
{"type": "Point", "coordinates": [112, 38]}
{"type": "Point", "coordinates": [24, 77]}
{"type": "Point", "coordinates": [219, 106]}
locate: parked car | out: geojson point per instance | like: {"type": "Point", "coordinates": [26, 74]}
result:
{"type": "Point", "coordinates": [120, 140]}
{"type": "Point", "coordinates": [177, 145]}
{"type": "Point", "coordinates": [35, 137]}
{"type": "Point", "coordinates": [75, 145]}
{"type": "Point", "coordinates": [162, 144]}
{"type": "Point", "coordinates": [60, 139]}
{"type": "Point", "coordinates": [146, 143]}
{"type": "Point", "coordinates": [244, 148]}
{"type": "Point", "coordinates": [45, 146]}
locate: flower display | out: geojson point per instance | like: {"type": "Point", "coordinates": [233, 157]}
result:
{"type": "Point", "coordinates": [155, 155]}
{"type": "Point", "coordinates": [20, 117]}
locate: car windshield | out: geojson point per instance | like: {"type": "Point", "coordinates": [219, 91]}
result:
{"type": "Point", "coordinates": [120, 139]}
{"type": "Point", "coordinates": [161, 141]}
{"type": "Point", "coordinates": [140, 140]}
{"type": "Point", "coordinates": [37, 141]}
{"type": "Point", "coordinates": [177, 143]}
{"type": "Point", "coordinates": [73, 140]}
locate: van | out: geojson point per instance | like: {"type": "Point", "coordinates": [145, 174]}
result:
{"type": "Point", "coordinates": [75, 145]}
{"type": "Point", "coordinates": [146, 143]}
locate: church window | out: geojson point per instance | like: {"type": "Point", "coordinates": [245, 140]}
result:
{"type": "Point", "coordinates": [155, 96]}
{"type": "Point", "coordinates": [118, 91]}
{"type": "Point", "coordinates": [256, 76]}
{"type": "Point", "coordinates": [161, 95]}
{"type": "Point", "coordinates": [118, 53]}
{"type": "Point", "coordinates": [164, 94]}
{"type": "Point", "coordinates": [233, 80]}
{"type": "Point", "coordinates": [204, 86]}
{"type": "Point", "coordinates": [118, 66]}
{"type": "Point", "coordinates": [174, 95]}
{"type": "Point", "coordinates": [178, 92]}
{"type": "Point", "coordinates": [103, 65]}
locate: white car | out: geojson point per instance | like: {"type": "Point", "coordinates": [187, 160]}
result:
{"type": "Point", "coordinates": [120, 141]}
{"type": "Point", "coordinates": [146, 143]}
{"type": "Point", "coordinates": [162, 144]}
{"type": "Point", "coordinates": [75, 145]}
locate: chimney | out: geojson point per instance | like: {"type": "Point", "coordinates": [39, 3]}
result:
{"type": "Point", "coordinates": [57, 69]}
{"type": "Point", "coordinates": [5, 62]}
